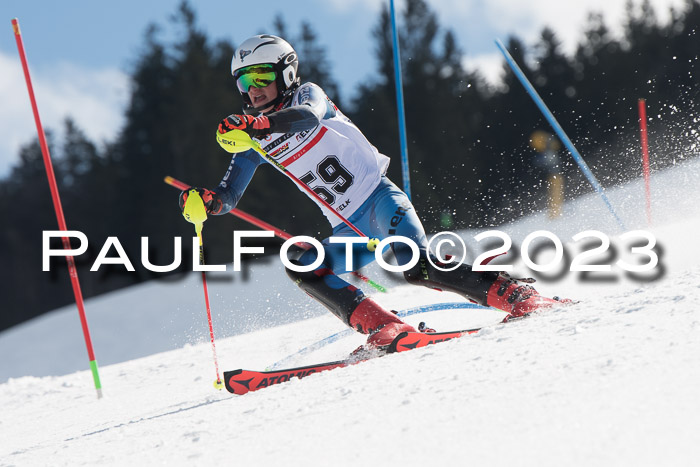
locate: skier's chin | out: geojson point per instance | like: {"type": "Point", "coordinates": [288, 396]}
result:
{"type": "Point", "coordinates": [262, 106]}
{"type": "Point", "coordinates": [259, 101]}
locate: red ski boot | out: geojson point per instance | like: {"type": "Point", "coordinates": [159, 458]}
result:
{"type": "Point", "coordinates": [518, 299]}
{"type": "Point", "coordinates": [382, 326]}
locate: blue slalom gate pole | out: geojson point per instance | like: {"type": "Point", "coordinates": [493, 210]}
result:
{"type": "Point", "coordinates": [399, 104]}
{"type": "Point", "coordinates": [558, 129]}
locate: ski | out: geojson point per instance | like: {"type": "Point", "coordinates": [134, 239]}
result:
{"type": "Point", "coordinates": [243, 381]}
{"type": "Point", "coordinates": [346, 332]}
{"type": "Point", "coordinates": [414, 340]}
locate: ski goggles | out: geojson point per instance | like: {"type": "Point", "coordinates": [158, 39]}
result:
{"type": "Point", "coordinates": [257, 76]}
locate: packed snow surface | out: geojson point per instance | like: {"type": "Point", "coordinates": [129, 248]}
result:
{"type": "Point", "coordinates": [612, 380]}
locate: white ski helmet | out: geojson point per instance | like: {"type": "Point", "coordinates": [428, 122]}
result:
{"type": "Point", "coordinates": [273, 55]}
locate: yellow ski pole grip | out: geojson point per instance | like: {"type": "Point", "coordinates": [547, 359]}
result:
{"type": "Point", "coordinates": [234, 141]}
{"type": "Point", "coordinates": [194, 210]}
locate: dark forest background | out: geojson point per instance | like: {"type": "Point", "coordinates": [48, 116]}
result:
{"type": "Point", "coordinates": [469, 142]}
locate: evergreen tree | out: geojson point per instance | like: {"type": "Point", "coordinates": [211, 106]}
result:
{"type": "Point", "coordinates": [313, 63]}
{"type": "Point", "coordinates": [468, 143]}
{"type": "Point", "coordinates": [27, 210]}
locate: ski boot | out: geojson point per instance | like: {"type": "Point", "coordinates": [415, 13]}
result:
{"type": "Point", "coordinates": [353, 307]}
{"type": "Point", "coordinates": [519, 300]}
{"type": "Point", "coordinates": [382, 326]}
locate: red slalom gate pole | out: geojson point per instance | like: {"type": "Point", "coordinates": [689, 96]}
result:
{"type": "Point", "coordinates": [59, 210]}
{"type": "Point", "coordinates": [241, 214]}
{"type": "Point", "coordinates": [645, 155]}
{"type": "Point", "coordinates": [265, 226]}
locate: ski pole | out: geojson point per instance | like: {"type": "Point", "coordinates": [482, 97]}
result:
{"type": "Point", "coordinates": [195, 212]}
{"type": "Point", "coordinates": [240, 141]}
{"type": "Point", "coordinates": [73, 272]}
{"type": "Point", "coordinates": [265, 226]}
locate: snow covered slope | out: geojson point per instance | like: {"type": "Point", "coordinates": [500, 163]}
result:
{"type": "Point", "coordinates": [612, 380]}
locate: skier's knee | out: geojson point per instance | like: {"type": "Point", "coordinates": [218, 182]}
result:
{"type": "Point", "coordinates": [295, 275]}
{"type": "Point", "coordinates": [330, 290]}
{"type": "Point", "coordinates": [418, 274]}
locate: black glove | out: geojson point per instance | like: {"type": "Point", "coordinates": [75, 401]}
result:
{"type": "Point", "coordinates": [212, 202]}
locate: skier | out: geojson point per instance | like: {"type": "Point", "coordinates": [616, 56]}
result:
{"type": "Point", "coordinates": [301, 128]}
